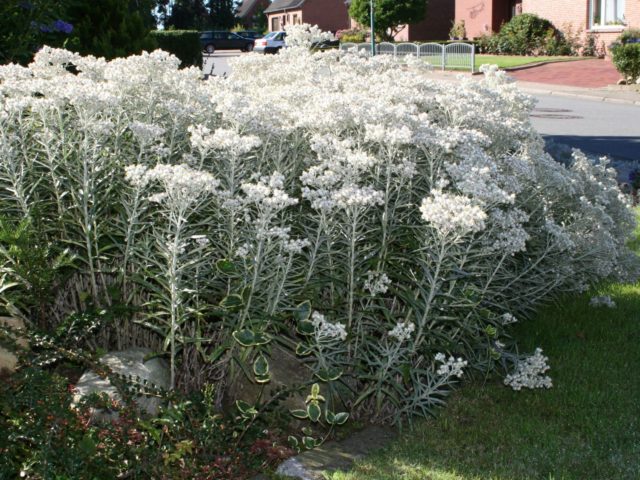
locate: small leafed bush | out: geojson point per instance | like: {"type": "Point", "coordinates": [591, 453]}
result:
{"type": "Point", "coordinates": [528, 34]}
{"type": "Point", "coordinates": [384, 233]}
{"type": "Point", "coordinates": [184, 44]}
{"type": "Point", "coordinates": [626, 55]}
{"type": "Point", "coordinates": [352, 36]}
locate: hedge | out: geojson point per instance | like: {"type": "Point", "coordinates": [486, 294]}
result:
{"type": "Point", "coordinates": [184, 44]}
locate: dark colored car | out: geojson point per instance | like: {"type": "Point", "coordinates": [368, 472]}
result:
{"type": "Point", "coordinates": [326, 45]}
{"type": "Point", "coordinates": [212, 41]}
{"type": "Point", "coordinates": [250, 34]}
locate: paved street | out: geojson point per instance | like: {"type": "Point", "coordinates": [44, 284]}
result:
{"type": "Point", "coordinates": [602, 128]}
{"type": "Point", "coordinates": [218, 63]}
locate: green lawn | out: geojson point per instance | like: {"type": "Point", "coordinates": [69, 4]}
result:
{"type": "Point", "coordinates": [507, 61]}
{"type": "Point", "coordinates": [503, 61]}
{"type": "Point", "coordinates": [587, 427]}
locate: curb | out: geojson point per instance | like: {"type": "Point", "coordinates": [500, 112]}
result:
{"type": "Point", "coordinates": [582, 96]}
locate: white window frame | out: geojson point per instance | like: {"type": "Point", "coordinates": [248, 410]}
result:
{"type": "Point", "coordinates": [604, 27]}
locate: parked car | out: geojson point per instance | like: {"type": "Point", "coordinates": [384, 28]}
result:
{"type": "Point", "coordinates": [325, 45]}
{"type": "Point", "coordinates": [250, 34]}
{"type": "Point", "coordinates": [212, 41]}
{"type": "Point", "coordinates": [271, 43]}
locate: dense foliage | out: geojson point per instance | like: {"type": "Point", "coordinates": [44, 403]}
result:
{"type": "Point", "coordinates": [198, 14]}
{"type": "Point", "coordinates": [626, 55]}
{"type": "Point", "coordinates": [528, 34]}
{"type": "Point", "coordinates": [184, 44]}
{"type": "Point", "coordinates": [390, 15]}
{"type": "Point", "coordinates": [44, 437]}
{"type": "Point", "coordinates": [27, 25]}
{"type": "Point", "coordinates": [385, 235]}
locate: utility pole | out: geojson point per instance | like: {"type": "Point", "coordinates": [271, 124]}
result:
{"type": "Point", "coordinates": [373, 25]}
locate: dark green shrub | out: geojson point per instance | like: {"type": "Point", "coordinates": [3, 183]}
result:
{"type": "Point", "coordinates": [626, 58]}
{"type": "Point", "coordinates": [184, 44]}
{"type": "Point", "coordinates": [631, 35]}
{"type": "Point", "coordinates": [525, 34]}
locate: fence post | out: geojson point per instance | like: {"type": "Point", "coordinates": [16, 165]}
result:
{"type": "Point", "coordinates": [444, 56]}
{"type": "Point", "coordinates": [473, 58]}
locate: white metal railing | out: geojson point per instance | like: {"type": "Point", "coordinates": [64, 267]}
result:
{"type": "Point", "coordinates": [455, 56]}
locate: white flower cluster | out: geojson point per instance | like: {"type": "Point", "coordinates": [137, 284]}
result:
{"type": "Point", "coordinates": [326, 330]}
{"type": "Point", "coordinates": [402, 331]}
{"type": "Point", "coordinates": [451, 367]}
{"type": "Point", "coordinates": [377, 283]}
{"type": "Point", "coordinates": [203, 140]}
{"type": "Point", "coordinates": [305, 35]}
{"type": "Point", "coordinates": [452, 214]}
{"type": "Point", "coordinates": [268, 192]}
{"type": "Point", "coordinates": [507, 319]}
{"type": "Point", "coordinates": [530, 373]}
{"type": "Point", "coordinates": [146, 132]}
{"type": "Point", "coordinates": [602, 301]}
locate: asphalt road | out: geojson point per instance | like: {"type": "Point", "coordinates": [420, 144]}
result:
{"type": "Point", "coordinates": [218, 63]}
{"type": "Point", "coordinates": [600, 128]}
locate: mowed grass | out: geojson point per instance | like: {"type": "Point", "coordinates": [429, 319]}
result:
{"type": "Point", "coordinates": [502, 61]}
{"type": "Point", "coordinates": [587, 427]}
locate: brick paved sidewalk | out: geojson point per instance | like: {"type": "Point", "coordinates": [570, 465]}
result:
{"type": "Point", "coordinates": [594, 73]}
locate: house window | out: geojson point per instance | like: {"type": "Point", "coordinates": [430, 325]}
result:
{"type": "Point", "coordinates": [275, 24]}
{"type": "Point", "coordinates": [606, 13]}
{"type": "Point", "coordinates": [295, 19]}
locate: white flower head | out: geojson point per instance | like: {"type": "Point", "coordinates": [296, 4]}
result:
{"type": "Point", "coordinates": [377, 283]}
{"type": "Point", "coordinates": [326, 330]}
{"type": "Point", "coordinates": [602, 301]}
{"type": "Point", "coordinates": [451, 367]}
{"type": "Point", "coordinates": [452, 214]}
{"type": "Point", "coordinates": [530, 373]}
{"type": "Point", "coordinates": [402, 331]}
{"type": "Point", "coordinates": [146, 133]}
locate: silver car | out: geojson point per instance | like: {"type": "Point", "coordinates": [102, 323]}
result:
{"type": "Point", "coordinates": [272, 42]}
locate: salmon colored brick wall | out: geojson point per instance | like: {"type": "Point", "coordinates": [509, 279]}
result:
{"type": "Point", "coordinates": [477, 16]}
{"type": "Point", "coordinates": [574, 14]}
{"type": "Point", "coordinates": [436, 24]}
{"type": "Point", "coordinates": [329, 15]}
{"type": "Point", "coordinates": [560, 12]}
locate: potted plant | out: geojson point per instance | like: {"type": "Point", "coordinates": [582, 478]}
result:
{"type": "Point", "coordinates": [457, 31]}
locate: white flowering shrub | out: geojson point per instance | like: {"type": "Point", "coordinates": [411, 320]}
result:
{"type": "Point", "coordinates": [305, 35]}
{"type": "Point", "coordinates": [386, 227]}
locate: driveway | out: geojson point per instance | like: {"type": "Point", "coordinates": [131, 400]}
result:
{"type": "Point", "coordinates": [594, 73]}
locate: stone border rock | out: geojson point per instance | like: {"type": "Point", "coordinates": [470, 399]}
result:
{"type": "Point", "coordinates": [333, 456]}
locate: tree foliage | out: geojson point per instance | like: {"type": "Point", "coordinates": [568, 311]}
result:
{"type": "Point", "coordinates": [111, 28]}
{"type": "Point", "coordinates": [222, 13]}
{"type": "Point", "coordinates": [199, 14]}
{"type": "Point", "coordinates": [390, 15]}
{"type": "Point", "coordinates": [27, 25]}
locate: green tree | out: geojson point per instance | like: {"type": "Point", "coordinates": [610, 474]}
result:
{"type": "Point", "coordinates": [222, 13]}
{"type": "Point", "coordinates": [111, 28]}
{"type": "Point", "coordinates": [390, 15]}
{"type": "Point", "coordinates": [25, 26]}
{"type": "Point", "coordinates": [187, 15]}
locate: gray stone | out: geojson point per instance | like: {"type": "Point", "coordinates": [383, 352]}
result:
{"type": "Point", "coordinates": [8, 360]}
{"type": "Point", "coordinates": [332, 456]}
{"type": "Point", "coordinates": [286, 370]}
{"type": "Point", "coordinates": [128, 363]}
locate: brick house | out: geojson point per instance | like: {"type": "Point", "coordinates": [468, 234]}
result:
{"type": "Point", "coordinates": [249, 10]}
{"type": "Point", "coordinates": [603, 18]}
{"type": "Point", "coordinates": [329, 15]}
{"type": "Point", "coordinates": [435, 26]}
